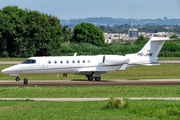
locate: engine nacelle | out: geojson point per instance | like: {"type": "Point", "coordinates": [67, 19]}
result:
{"type": "Point", "coordinates": [114, 59]}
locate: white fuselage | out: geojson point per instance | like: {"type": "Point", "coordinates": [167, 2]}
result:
{"type": "Point", "coordinates": [68, 64]}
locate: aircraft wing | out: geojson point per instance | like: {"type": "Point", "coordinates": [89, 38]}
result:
{"type": "Point", "coordinates": [102, 69]}
{"type": "Point", "coordinates": [124, 66]}
{"type": "Point", "coordinates": [85, 71]}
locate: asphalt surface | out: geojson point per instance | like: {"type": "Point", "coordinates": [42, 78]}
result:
{"type": "Point", "coordinates": [86, 82]}
{"type": "Point", "coordinates": [10, 62]}
{"type": "Point", "coordinates": [160, 62]}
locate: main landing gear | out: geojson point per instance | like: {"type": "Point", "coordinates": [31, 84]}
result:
{"type": "Point", "coordinates": [90, 78]}
{"type": "Point", "coordinates": [96, 76]}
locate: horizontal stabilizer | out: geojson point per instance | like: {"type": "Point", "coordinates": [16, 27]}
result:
{"type": "Point", "coordinates": [161, 39]}
{"type": "Point", "coordinates": [150, 64]}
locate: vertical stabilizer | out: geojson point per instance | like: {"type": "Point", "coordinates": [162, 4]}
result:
{"type": "Point", "coordinates": [152, 47]}
{"type": "Point", "coordinates": [148, 54]}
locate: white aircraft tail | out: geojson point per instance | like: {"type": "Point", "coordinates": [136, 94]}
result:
{"type": "Point", "coordinates": [152, 47]}
{"type": "Point", "coordinates": [148, 54]}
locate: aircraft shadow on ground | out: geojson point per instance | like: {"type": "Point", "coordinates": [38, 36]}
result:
{"type": "Point", "coordinates": [84, 80]}
{"type": "Point", "coordinates": [132, 79]}
{"type": "Point", "coordinates": [92, 81]}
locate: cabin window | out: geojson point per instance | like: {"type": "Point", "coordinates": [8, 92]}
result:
{"type": "Point", "coordinates": [83, 61]}
{"type": "Point", "coordinates": [61, 62]}
{"type": "Point", "coordinates": [88, 61]}
{"type": "Point", "coordinates": [67, 61]}
{"type": "Point", "coordinates": [29, 61]}
{"type": "Point", "coordinates": [78, 61]}
{"type": "Point", "coordinates": [49, 62]}
{"type": "Point", "coordinates": [55, 62]}
{"type": "Point", "coordinates": [73, 61]}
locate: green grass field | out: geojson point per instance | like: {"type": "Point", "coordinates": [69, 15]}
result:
{"type": "Point", "coordinates": [168, 58]}
{"type": "Point", "coordinates": [91, 91]}
{"type": "Point", "coordinates": [136, 110]}
{"type": "Point", "coordinates": [12, 59]}
{"type": "Point", "coordinates": [142, 109]}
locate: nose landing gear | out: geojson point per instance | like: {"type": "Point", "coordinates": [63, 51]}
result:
{"type": "Point", "coordinates": [17, 78]}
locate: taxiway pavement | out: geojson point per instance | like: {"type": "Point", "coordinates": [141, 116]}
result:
{"type": "Point", "coordinates": [86, 82]}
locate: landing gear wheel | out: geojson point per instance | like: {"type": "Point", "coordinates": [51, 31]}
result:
{"type": "Point", "coordinates": [90, 78]}
{"type": "Point", "coordinates": [97, 78]}
{"type": "Point", "coordinates": [17, 78]}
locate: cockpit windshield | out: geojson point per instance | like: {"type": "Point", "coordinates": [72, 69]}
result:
{"type": "Point", "coordinates": [29, 61]}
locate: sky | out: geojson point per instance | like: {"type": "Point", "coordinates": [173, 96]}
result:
{"type": "Point", "coordinates": [74, 9]}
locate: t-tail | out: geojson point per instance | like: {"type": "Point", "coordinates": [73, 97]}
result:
{"type": "Point", "coordinates": [148, 54]}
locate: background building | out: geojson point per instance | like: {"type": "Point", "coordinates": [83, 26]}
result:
{"type": "Point", "coordinates": [133, 33]}
{"type": "Point", "coordinates": [112, 37]}
{"type": "Point", "coordinates": [107, 37]}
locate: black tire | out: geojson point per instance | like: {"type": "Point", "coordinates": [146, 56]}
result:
{"type": "Point", "coordinates": [90, 78]}
{"type": "Point", "coordinates": [97, 78]}
{"type": "Point", "coordinates": [17, 79]}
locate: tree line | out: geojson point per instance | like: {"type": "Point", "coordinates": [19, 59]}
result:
{"type": "Point", "coordinates": [146, 28]}
{"type": "Point", "coordinates": [120, 21]}
{"type": "Point", "coordinates": [26, 33]}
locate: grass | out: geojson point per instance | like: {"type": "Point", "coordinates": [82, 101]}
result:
{"type": "Point", "coordinates": [163, 71]}
{"type": "Point", "coordinates": [156, 109]}
{"type": "Point", "coordinates": [136, 110]}
{"type": "Point", "coordinates": [168, 58]}
{"type": "Point", "coordinates": [12, 59]}
{"type": "Point", "coordinates": [91, 91]}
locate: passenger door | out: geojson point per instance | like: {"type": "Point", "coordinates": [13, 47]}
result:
{"type": "Point", "coordinates": [43, 63]}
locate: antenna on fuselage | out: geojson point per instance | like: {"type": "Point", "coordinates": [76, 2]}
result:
{"type": "Point", "coordinates": [75, 54]}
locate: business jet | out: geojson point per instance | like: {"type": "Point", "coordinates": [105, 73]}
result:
{"type": "Point", "coordinates": [90, 66]}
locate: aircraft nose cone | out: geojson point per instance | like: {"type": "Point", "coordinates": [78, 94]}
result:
{"type": "Point", "coordinates": [4, 71]}
{"type": "Point", "coordinates": [12, 69]}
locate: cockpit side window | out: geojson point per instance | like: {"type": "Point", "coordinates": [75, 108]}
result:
{"type": "Point", "coordinates": [29, 61]}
